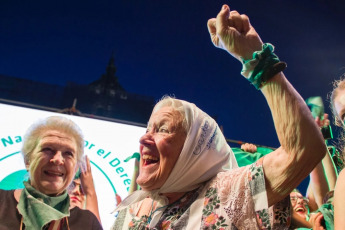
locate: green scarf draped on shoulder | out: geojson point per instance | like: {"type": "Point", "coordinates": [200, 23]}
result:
{"type": "Point", "coordinates": [39, 209]}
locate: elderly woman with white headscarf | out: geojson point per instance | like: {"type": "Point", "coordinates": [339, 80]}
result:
{"type": "Point", "coordinates": [188, 174]}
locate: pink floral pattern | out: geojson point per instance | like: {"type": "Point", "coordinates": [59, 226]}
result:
{"type": "Point", "coordinates": [229, 203]}
{"type": "Point", "coordinates": [211, 219]}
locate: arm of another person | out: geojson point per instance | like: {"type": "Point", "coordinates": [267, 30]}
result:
{"type": "Point", "coordinates": [339, 202]}
{"type": "Point", "coordinates": [322, 180]}
{"type": "Point", "coordinates": [324, 176]}
{"type": "Point", "coordinates": [302, 145]}
{"type": "Point", "coordinates": [89, 190]}
{"type": "Point", "coordinates": [327, 162]}
{"type": "Point", "coordinates": [330, 170]}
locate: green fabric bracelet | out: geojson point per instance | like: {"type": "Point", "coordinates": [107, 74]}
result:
{"type": "Point", "coordinates": [264, 65]}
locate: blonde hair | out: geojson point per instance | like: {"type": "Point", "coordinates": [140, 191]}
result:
{"type": "Point", "coordinates": [58, 123]}
{"type": "Point", "coordinates": [338, 85]}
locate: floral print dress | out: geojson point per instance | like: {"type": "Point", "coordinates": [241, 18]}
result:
{"type": "Point", "coordinates": [233, 200]}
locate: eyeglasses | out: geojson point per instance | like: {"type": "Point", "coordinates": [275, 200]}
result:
{"type": "Point", "coordinates": [294, 200]}
{"type": "Point", "coordinates": [74, 185]}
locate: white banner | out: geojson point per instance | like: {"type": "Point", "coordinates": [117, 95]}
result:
{"type": "Point", "coordinates": [107, 144]}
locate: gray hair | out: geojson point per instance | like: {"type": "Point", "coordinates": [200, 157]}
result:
{"type": "Point", "coordinates": [176, 105]}
{"type": "Point", "coordinates": [59, 123]}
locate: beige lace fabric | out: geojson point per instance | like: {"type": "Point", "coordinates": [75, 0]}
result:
{"type": "Point", "coordinates": [233, 199]}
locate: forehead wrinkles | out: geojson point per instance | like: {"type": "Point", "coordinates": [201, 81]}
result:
{"type": "Point", "coordinates": [57, 136]}
{"type": "Point", "coordinates": [58, 141]}
{"type": "Point", "coordinates": [173, 117]}
{"type": "Point", "coordinates": [56, 133]}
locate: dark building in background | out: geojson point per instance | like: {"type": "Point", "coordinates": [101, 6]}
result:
{"type": "Point", "coordinates": [24, 92]}
{"type": "Point", "coordinates": [104, 98]}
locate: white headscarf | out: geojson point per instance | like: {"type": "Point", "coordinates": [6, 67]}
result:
{"type": "Point", "coordinates": [205, 153]}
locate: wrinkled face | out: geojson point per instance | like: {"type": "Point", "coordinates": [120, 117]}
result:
{"type": "Point", "coordinates": [53, 163]}
{"type": "Point", "coordinates": [160, 148]}
{"type": "Point", "coordinates": [299, 204]}
{"type": "Point", "coordinates": [339, 105]}
{"type": "Point", "coordinates": [76, 194]}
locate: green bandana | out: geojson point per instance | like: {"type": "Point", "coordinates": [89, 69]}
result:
{"type": "Point", "coordinates": [328, 215]}
{"type": "Point", "coordinates": [39, 209]}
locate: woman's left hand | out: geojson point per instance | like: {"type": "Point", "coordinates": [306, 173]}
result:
{"type": "Point", "coordinates": [233, 32]}
{"type": "Point", "coordinates": [86, 179]}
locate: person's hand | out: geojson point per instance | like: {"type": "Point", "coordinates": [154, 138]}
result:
{"type": "Point", "coordinates": [324, 122]}
{"type": "Point", "coordinates": [315, 220]}
{"type": "Point", "coordinates": [86, 179]}
{"type": "Point", "coordinates": [233, 32]}
{"type": "Point", "coordinates": [88, 186]}
{"type": "Point", "coordinates": [250, 148]}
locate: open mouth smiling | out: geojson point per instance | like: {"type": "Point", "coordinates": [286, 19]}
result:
{"type": "Point", "coordinates": [149, 159]}
{"type": "Point", "coordinates": [53, 173]}
{"type": "Point", "coordinates": [300, 209]}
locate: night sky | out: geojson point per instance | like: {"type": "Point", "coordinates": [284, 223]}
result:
{"type": "Point", "coordinates": [163, 47]}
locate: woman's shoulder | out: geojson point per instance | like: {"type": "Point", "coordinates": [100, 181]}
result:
{"type": "Point", "coordinates": [9, 215]}
{"type": "Point", "coordinates": [76, 211]}
{"type": "Point", "coordinates": [83, 219]}
{"type": "Point", "coordinates": [7, 195]}
{"type": "Point", "coordinates": [6, 192]}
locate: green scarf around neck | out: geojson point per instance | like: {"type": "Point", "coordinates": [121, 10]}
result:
{"type": "Point", "coordinates": [39, 209]}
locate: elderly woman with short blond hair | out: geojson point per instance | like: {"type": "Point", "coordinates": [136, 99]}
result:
{"type": "Point", "coordinates": [53, 150]}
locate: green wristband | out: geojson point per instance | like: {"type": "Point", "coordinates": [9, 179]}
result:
{"type": "Point", "coordinates": [264, 65]}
